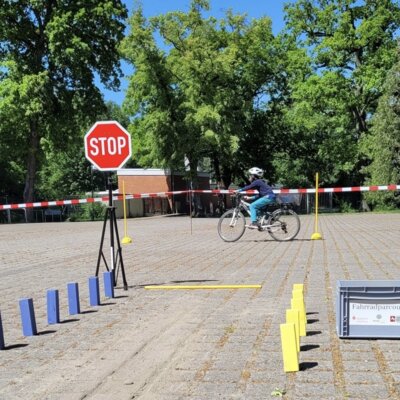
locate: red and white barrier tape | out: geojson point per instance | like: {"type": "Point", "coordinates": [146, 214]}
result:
{"type": "Point", "coordinates": [320, 190]}
{"type": "Point", "coordinates": [87, 200]}
{"type": "Point", "coordinates": [215, 191]}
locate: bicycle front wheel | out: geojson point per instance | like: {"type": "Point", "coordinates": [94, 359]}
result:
{"type": "Point", "coordinates": [284, 225]}
{"type": "Point", "coordinates": [231, 225]}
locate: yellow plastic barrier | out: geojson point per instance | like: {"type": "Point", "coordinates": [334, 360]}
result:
{"type": "Point", "coordinates": [316, 235]}
{"type": "Point", "coordinates": [289, 347]}
{"type": "Point", "coordinates": [177, 287]}
{"type": "Point", "coordinates": [298, 302]}
{"type": "Point", "coordinates": [126, 239]}
{"type": "Point", "coordinates": [293, 316]}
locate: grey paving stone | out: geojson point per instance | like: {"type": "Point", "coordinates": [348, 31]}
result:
{"type": "Point", "coordinates": [191, 345]}
{"type": "Point", "coordinates": [351, 366]}
{"type": "Point", "coordinates": [262, 391]}
{"type": "Point", "coordinates": [314, 391]}
{"type": "Point", "coordinates": [364, 377]}
{"type": "Point", "coordinates": [368, 391]}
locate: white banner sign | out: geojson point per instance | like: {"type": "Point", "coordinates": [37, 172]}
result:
{"type": "Point", "coordinates": [370, 312]}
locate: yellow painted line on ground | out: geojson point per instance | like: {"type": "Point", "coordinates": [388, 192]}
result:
{"type": "Point", "coordinates": [177, 287]}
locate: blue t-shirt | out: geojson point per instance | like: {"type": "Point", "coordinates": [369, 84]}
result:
{"type": "Point", "coordinates": [261, 186]}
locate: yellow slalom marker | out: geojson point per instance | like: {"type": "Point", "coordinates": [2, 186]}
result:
{"type": "Point", "coordinates": [298, 286]}
{"type": "Point", "coordinates": [299, 305]}
{"type": "Point", "coordinates": [296, 294]}
{"type": "Point", "coordinates": [126, 239]}
{"type": "Point", "coordinates": [293, 316]}
{"type": "Point", "coordinates": [316, 235]}
{"type": "Point", "coordinates": [289, 347]}
{"type": "Point", "coordinates": [190, 287]}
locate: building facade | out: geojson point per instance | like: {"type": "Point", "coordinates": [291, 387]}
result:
{"type": "Point", "coordinates": [154, 180]}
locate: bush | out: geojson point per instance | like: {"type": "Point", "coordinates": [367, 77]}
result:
{"type": "Point", "coordinates": [88, 212]}
{"type": "Point", "coordinates": [383, 201]}
{"type": "Point", "coordinates": [346, 207]}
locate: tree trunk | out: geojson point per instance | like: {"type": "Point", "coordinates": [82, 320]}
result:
{"type": "Point", "coordinates": [226, 177]}
{"type": "Point", "coordinates": [194, 184]}
{"type": "Point", "coordinates": [360, 119]}
{"type": "Point", "coordinates": [217, 172]}
{"type": "Point", "coordinates": [31, 168]}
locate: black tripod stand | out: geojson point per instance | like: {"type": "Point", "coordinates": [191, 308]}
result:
{"type": "Point", "coordinates": [116, 257]}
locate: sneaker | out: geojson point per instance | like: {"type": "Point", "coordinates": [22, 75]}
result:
{"type": "Point", "coordinates": [253, 225]}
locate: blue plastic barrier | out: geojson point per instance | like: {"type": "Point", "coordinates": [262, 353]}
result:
{"type": "Point", "coordinates": [73, 298]}
{"type": "Point", "coordinates": [27, 317]}
{"type": "Point", "coordinates": [108, 284]}
{"type": "Point", "coordinates": [2, 346]}
{"type": "Point", "coordinates": [94, 291]}
{"type": "Point", "coordinates": [53, 307]}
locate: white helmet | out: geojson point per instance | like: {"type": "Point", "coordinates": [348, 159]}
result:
{"type": "Point", "coordinates": [258, 172]}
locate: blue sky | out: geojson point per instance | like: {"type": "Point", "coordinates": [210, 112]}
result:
{"type": "Point", "coordinates": [218, 8]}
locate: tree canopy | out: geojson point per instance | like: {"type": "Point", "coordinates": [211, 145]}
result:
{"type": "Point", "coordinates": [49, 54]}
{"type": "Point", "coordinates": [225, 93]}
{"type": "Point", "coordinates": [351, 45]}
{"type": "Point", "coordinates": [382, 145]}
{"type": "Point", "coordinates": [232, 91]}
{"type": "Point", "coordinates": [198, 94]}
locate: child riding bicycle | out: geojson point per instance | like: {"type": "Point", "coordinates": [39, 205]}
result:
{"type": "Point", "coordinates": [265, 194]}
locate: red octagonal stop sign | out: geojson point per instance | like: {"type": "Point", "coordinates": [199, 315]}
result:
{"type": "Point", "coordinates": [108, 145]}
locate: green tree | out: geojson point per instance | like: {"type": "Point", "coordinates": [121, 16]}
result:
{"type": "Point", "coordinates": [49, 53]}
{"type": "Point", "coordinates": [383, 145]}
{"type": "Point", "coordinates": [351, 45]}
{"type": "Point", "coordinates": [196, 96]}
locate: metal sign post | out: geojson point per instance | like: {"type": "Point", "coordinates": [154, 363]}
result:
{"type": "Point", "coordinates": [108, 148]}
{"type": "Point", "coordinates": [116, 260]}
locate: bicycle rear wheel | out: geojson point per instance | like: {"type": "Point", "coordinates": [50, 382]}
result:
{"type": "Point", "coordinates": [285, 225]}
{"type": "Point", "coordinates": [231, 225]}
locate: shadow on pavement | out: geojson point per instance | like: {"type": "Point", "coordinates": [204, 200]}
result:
{"type": "Point", "coordinates": [306, 347]}
{"type": "Point", "coordinates": [272, 240]}
{"type": "Point", "coordinates": [15, 346]}
{"type": "Point", "coordinates": [196, 281]}
{"type": "Point", "coordinates": [307, 365]}
{"type": "Point", "coordinates": [167, 283]}
{"type": "Point", "coordinates": [46, 332]}
{"type": "Point", "coordinates": [67, 321]}
{"type": "Point", "coordinates": [313, 333]}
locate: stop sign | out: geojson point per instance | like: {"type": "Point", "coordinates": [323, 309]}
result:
{"type": "Point", "coordinates": [108, 145]}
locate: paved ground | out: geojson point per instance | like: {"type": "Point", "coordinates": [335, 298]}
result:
{"type": "Point", "coordinates": [194, 345]}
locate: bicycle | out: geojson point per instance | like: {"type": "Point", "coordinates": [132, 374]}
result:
{"type": "Point", "coordinates": [283, 224]}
